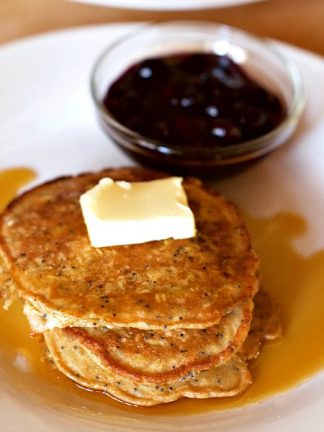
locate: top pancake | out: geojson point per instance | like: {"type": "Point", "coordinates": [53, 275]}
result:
{"type": "Point", "coordinates": [189, 283]}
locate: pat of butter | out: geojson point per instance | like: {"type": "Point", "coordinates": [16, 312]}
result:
{"type": "Point", "coordinates": [122, 213]}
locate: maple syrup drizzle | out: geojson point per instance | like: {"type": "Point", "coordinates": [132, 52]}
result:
{"type": "Point", "coordinates": [294, 281]}
{"type": "Point", "coordinates": [11, 181]}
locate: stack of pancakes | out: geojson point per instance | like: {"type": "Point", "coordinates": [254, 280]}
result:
{"type": "Point", "coordinates": [147, 323]}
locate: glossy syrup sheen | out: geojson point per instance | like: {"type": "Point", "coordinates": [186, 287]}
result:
{"type": "Point", "coordinates": [295, 282]}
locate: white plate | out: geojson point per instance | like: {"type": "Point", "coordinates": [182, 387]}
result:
{"type": "Point", "coordinates": [167, 4]}
{"type": "Point", "coordinates": [48, 123]}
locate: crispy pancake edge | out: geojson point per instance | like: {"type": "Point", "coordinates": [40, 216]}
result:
{"type": "Point", "coordinates": [107, 360]}
{"type": "Point", "coordinates": [91, 375]}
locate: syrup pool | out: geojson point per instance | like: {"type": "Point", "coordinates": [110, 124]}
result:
{"type": "Point", "coordinates": [294, 281]}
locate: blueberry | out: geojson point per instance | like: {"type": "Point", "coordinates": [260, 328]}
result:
{"type": "Point", "coordinates": [199, 99]}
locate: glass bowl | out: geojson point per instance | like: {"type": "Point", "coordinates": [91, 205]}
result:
{"type": "Point", "coordinates": [259, 58]}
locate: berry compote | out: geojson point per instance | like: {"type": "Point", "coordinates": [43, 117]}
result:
{"type": "Point", "coordinates": [193, 100]}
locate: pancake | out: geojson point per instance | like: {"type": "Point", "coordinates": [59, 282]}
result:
{"type": "Point", "coordinates": [80, 362]}
{"type": "Point", "coordinates": [265, 326]}
{"type": "Point", "coordinates": [161, 355]}
{"type": "Point", "coordinates": [7, 286]}
{"type": "Point", "coordinates": [81, 365]}
{"type": "Point", "coordinates": [188, 283]}
{"type": "Point", "coordinates": [147, 323]}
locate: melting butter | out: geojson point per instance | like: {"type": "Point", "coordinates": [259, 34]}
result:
{"type": "Point", "coordinates": [123, 213]}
